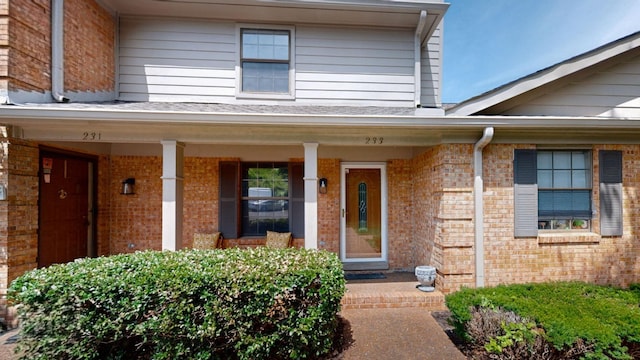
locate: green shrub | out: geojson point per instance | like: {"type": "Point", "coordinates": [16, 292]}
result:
{"type": "Point", "coordinates": [215, 304]}
{"type": "Point", "coordinates": [601, 321]}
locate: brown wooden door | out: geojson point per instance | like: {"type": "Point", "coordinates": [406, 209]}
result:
{"type": "Point", "coordinates": [363, 214]}
{"type": "Point", "coordinates": [64, 209]}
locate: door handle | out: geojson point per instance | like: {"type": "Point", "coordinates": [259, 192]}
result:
{"type": "Point", "coordinates": [342, 212]}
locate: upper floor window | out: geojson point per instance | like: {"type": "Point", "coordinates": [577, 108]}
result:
{"type": "Point", "coordinates": [265, 62]}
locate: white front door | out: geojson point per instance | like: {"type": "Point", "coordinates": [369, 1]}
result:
{"type": "Point", "coordinates": [363, 217]}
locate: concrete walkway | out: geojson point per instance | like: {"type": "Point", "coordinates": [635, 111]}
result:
{"type": "Point", "coordinates": [397, 334]}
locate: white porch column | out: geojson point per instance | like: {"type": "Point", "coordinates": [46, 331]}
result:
{"type": "Point", "coordinates": [311, 195]}
{"type": "Point", "coordinates": [172, 194]}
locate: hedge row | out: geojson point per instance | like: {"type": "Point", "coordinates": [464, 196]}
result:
{"type": "Point", "coordinates": [578, 320]}
{"type": "Point", "coordinates": [193, 304]}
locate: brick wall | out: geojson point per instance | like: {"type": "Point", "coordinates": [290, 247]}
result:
{"type": "Point", "coordinates": [136, 220]}
{"type": "Point", "coordinates": [25, 52]}
{"type": "Point", "coordinates": [103, 208]}
{"type": "Point", "coordinates": [443, 213]}
{"type": "Point", "coordinates": [329, 206]}
{"type": "Point", "coordinates": [201, 195]}
{"type": "Point", "coordinates": [25, 46]}
{"type": "Point", "coordinates": [400, 235]}
{"type": "Point", "coordinates": [18, 214]}
{"type": "Point", "coordinates": [588, 257]}
{"type": "Point", "coordinates": [89, 42]}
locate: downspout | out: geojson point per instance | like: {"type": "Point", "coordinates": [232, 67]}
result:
{"type": "Point", "coordinates": [478, 186]}
{"type": "Point", "coordinates": [57, 51]}
{"type": "Point", "coordinates": [417, 48]}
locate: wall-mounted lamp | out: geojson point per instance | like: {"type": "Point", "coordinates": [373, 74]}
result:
{"type": "Point", "coordinates": [128, 186]}
{"type": "Point", "coordinates": [322, 185]}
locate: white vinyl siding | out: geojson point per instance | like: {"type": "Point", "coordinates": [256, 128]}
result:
{"type": "Point", "coordinates": [176, 60]}
{"type": "Point", "coordinates": [614, 92]}
{"type": "Point", "coordinates": [190, 60]}
{"type": "Point", "coordinates": [431, 76]}
{"type": "Point", "coordinates": [354, 66]}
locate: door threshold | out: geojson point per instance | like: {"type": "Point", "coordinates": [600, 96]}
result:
{"type": "Point", "coordinates": [365, 265]}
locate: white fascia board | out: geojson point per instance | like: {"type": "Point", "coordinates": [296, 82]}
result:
{"type": "Point", "coordinates": [17, 115]}
{"type": "Point", "coordinates": [543, 77]}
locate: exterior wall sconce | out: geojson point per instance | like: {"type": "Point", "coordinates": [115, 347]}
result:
{"type": "Point", "coordinates": [128, 186]}
{"type": "Point", "coordinates": [322, 185]}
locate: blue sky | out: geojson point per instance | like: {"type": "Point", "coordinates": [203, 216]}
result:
{"type": "Point", "coordinates": [488, 43]}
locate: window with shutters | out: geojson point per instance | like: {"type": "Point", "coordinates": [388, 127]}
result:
{"type": "Point", "coordinates": [256, 197]}
{"type": "Point", "coordinates": [553, 191]}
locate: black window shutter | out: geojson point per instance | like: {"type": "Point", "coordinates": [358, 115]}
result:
{"type": "Point", "coordinates": [525, 193]}
{"type": "Point", "coordinates": [228, 211]}
{"type": "Point", "coordinates": [296, 206]}
{"type": "Point", "coordinates": [610, 193]}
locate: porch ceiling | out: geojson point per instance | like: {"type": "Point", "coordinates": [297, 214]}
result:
{"type": "Point", "coordinates": [385, 13]}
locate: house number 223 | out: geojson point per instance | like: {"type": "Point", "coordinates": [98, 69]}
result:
{"type": "Point", "coordinates": [373, 140]}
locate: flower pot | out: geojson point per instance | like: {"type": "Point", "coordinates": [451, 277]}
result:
{"type": "Point", "coordinates": [426, 276]}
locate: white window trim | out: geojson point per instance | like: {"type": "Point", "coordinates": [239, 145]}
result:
{"type": "Point", "coordinates": [292, 63]}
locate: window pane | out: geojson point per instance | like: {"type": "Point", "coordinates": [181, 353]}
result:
{"type": "Point", "coordinates": [561, 160]}
{"type": "Point", "coordinates": [562, 202]}
{"type": "Point", "coordinates": [545, 179]}
{"type": "Point", "coordinates": [581, 201]}
{"type": "Point", "coordinates": [580, 179]}
{"type": "Point", "coordinates": [562, 178]}
{"type": "Point", "coordinates": [265, 77]}
{"type": "Point", "coordinates": [270, 215]}
{"type": "Point", "coordinates": [265, 181]}
{"type": "Point", "coordinates": [265, 44]}
{"type": "Point", "coordinates": [545, 160]}
{"type": "Point", "coordinates": [580, 160]}
{"type": "Point", "coordinates": [545, 201]}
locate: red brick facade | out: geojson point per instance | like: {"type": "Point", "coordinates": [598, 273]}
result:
{"type": "Point", "coordinates": [18, 213]}
{"type": "Point", "coordinates": [25, 46]}
{"type": "Point", "coordinates": [89, 56]}
{"type": "Point", "coordinates": [430, 216]}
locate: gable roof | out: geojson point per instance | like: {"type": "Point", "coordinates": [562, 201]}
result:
{"type": "Point", "coordinates": [517, 92]}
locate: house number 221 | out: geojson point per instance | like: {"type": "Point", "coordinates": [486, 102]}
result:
{"type": "Point", "coordinates": [373, 140]}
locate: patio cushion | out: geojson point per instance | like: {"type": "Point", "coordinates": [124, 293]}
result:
{"type": "Point", "coordinates": [278, 240]}
{"type": "Point", "coordinates": [206, 241]}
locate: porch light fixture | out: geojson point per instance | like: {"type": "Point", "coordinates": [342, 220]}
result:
{"type": "Point", "coordinates": [322, 185]}
{"type": "Point", "coordinates": [128, 186]}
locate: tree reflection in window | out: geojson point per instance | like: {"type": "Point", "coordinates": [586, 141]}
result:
{"type": "Point", "coordinates": [362, 205]}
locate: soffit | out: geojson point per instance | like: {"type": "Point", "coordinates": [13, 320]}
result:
{"type": "Point", "coordinates": [380, 13]}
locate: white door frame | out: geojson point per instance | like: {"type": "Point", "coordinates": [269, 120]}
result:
{"type": "Point", "coordinates": [344, 167]}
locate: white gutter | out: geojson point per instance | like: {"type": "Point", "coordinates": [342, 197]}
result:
{"type": "Point", "coordinates": [57, 51]}
{"type": "Point", "coordinates": [417, 48]}
{"type": "Point", "coordinates": [87, 115]}
{"type": "Point", "coordinates": [478, 217]}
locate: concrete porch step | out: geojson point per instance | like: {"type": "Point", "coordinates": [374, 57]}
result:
{"type": "Point", "coordinates": [396, 290]}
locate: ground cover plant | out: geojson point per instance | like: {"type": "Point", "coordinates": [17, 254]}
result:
{"type": "Point", "coordinates": [564, 320]}
{"type": "Point", "coordinates": [196, 304]}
